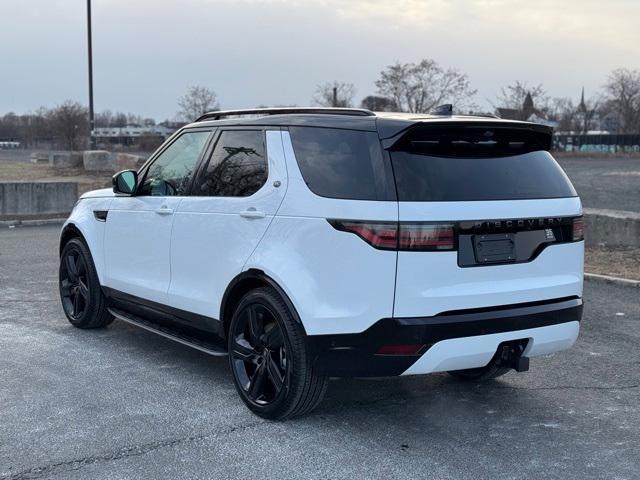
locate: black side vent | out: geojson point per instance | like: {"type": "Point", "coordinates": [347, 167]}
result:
{"type": "Point", "coordinates": [474, 141]}
{"type": "Point", "coordinates": [101, 215]}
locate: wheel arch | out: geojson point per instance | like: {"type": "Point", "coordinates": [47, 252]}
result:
{"type": "Point", "coordinates": [70, 231]}
{"type": "Point", "coordinates": [242, 284]}
{"type": "Point", "coordinates": [92, 238]}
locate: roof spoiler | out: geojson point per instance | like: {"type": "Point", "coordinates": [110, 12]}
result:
{"type": "Point", "coordinates": [446, 109]}
{"type": "Point", "coordinates": [457, 138]}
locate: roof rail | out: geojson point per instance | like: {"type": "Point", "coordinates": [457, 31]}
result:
{"type": "Point", "coordinates": [358, 112]}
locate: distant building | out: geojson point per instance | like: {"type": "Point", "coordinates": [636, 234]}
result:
{"type": "Point", "coordinates": [528, 113]}
{"type": "Point", "coordinates": [131, 133]}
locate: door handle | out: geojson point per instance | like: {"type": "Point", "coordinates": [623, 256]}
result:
{"type": "Point", "coordinates": [163, 210]}
{"type": "Point", "coordinates": [252, 213]}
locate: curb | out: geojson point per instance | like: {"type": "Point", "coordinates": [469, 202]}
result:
{"type": "Point", "coordinates": [626, 282]}
{"type": "Point", "coordinates": [31, 223]}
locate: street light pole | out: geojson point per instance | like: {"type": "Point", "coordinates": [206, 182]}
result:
{"type": "Point", "coordinates": [90, 52]}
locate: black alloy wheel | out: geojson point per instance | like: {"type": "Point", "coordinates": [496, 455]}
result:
{"type": "Point", "coordinates": [74, 286]}
{"type": "Point", "coordinates": [272, 370]}
{"type": "Point", "coordinates": [82, 299]}
{"type": "Point", "coordinates": [259, 354]}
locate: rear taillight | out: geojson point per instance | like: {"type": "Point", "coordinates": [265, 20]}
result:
{"type": "Point", "coordinates": [382, 235]}
{"type": "Point", "coordinates": [412, 236]}
{"type": "Point", "coordinates": [426, 236]}
{"type": "Point", "coordinates": [578, 229]}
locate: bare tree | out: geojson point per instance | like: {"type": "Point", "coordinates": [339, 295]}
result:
{"type": "Point", "coordinates": [623, 96]}
{"type": "Point", "coordinates": [377, 103]}
{"type": "Point", "coordinates": [335, 94]}
{"type": "Point", "coordinates": [196, 102]}
{"type": "Point", "coordinates": [9, 126]}
{"type": "Point", "coordinates": [69, 124]}
{"type": "Point", "coordinates": [563, 111]}
{"type": "Point", "coordinates": [39, 127]}
{"type": "Point", "coordinates": [134, 119]}
{"type": "Point", "coordinates": [103, 118]}
{"type": "Point", "coordinates": [422, 86]}
{"type": "Point", "coordinates": [514, 95]}
{"type": "Point", "coordinates": [119, 120]}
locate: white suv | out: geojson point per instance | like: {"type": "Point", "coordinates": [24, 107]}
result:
{"type": "Point", "coordinates": [317, 243]}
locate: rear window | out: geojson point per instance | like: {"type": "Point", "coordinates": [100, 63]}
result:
{"type": "Point", "coordinates": [345, 164]}
{"type": "Point", "coordinates": [478, 163]}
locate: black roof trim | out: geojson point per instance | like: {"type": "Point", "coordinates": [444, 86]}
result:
{"type": "Point", "coordinates": [359, 112]}
{"type": "Point", "coordinates": [396, 131]}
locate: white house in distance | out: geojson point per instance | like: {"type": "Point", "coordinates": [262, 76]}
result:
{"type": "Point", "coordinates": [132, 131]}
{"type": "Point", "coordinates": [129, 133]}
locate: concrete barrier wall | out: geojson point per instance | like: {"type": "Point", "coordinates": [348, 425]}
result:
{"type": "Point", "coordinates": [57, 159]}
{"type": "Point", "coordinates": [22, 199]}
{"type": "Point", "coordinates": [615, 228]}
{"type": "Point", "coordinates": [98, 161]}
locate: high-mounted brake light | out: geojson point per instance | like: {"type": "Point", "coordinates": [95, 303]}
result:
{"type": "Point", "coordinates": [412, 236]}
{"type": "Point", "coordinates": [578, 229]}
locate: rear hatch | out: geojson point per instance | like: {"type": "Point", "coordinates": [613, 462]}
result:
{"type": "Point", "coordinates": [486, 217]}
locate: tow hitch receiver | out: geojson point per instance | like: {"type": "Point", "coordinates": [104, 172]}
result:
{"type": "Point", "coordinates": [509, 355]}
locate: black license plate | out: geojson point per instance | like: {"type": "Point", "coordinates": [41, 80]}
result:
{"type": "Point", "coordinates": [497, 248]}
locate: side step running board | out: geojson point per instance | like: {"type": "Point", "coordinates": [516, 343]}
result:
{"type": "Point", "coordinates": [204, 346]}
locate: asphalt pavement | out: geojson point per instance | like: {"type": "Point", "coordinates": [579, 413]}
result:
{"type": "Point", "coordinates": [605, 182]}
{"type": "Point", "coordinates": [123, 403]}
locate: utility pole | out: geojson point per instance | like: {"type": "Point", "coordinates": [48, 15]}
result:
{"type": "Point", "coordinates": [90, 52]}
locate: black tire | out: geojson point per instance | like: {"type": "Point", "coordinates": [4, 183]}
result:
{"type": "Point", "coordinates": [271, 368]}
{"type": "Point", "coordinates": [82, 299]}
{"type": "Point", "coordinates": [481, 374]}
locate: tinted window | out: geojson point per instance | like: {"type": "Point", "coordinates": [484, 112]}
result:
{"type": "Point", "coordinates": [238, 165]}
{"type": "Point", "coordinates": [171, 172]}
{"type": "Point", "coordinates": [532, 175]}
{"type": "Point", "coordinates": [341, 163]}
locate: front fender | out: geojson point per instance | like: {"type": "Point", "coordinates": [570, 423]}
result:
{"type": "Point", "coordinates": [83, 222]}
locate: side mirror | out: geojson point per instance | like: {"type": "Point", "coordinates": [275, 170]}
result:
{"type": "Point", "coordinates": [125, 182]}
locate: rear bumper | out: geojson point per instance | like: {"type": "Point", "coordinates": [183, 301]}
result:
{"type": "Point", "coordinates": [452, 341]}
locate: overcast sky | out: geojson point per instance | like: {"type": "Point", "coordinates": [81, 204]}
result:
{"type": "Point", "coordinates": [251, 52]}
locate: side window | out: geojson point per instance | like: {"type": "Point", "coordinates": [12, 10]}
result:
{"type": "Point", "coordinates": [345, 164]}
{"type": "Point", "coordinates": [170, 173]}
{"type": "Point", "coordinates": [238, 165]}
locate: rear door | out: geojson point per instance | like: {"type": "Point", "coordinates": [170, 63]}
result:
{"type": "Point", "coordinates": [486, 219]}
{"type": "Point", "coordinates": [235, 197]}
